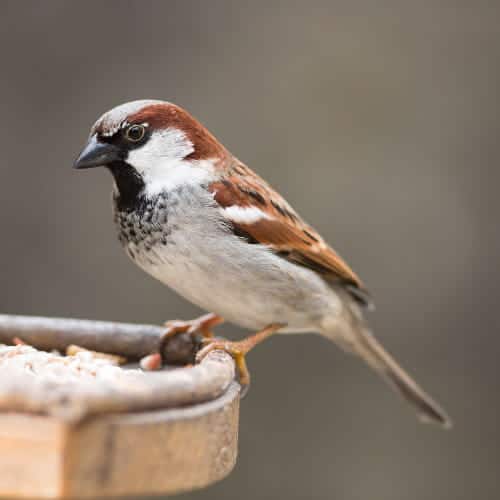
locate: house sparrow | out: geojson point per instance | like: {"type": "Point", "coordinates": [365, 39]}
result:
{"type": "Point", "coordinates": [193, 216]}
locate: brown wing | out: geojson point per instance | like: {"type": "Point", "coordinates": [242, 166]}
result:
{"type": "Point", "coordinates": [281, 229]}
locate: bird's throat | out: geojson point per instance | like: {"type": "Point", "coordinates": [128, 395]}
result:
{"type": "Point", "coordinates": [129, 183]}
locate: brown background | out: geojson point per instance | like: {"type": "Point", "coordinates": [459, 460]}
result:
{"type": "Point", "coordinates": [380, 125]}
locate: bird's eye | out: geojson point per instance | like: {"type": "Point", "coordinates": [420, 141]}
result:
{"type": "Point", "coordinates": [135, 133]}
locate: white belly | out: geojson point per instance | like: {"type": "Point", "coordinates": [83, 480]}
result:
{"type": "Point", "coordinates": [192, 252]}
{"type": "Point", "coordinates": [245, 284]}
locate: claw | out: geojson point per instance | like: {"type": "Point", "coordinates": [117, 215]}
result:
{"type": "Point", "coordinates": [181, 339]}
{"type": "Point", "coordinates": [238, 350]}
{"type": "Point", "coordinates": [202, 325]}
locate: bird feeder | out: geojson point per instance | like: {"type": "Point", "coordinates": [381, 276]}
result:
{"type": "Point", "coordinates": [82, 426]}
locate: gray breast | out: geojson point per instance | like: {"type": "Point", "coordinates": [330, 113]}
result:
{"type": "Point", "coordinates": [180, 238]}
{"type": "Point", "coordinates": [156, 224]}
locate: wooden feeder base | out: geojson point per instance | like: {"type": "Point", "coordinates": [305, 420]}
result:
{"type": "Point", "coordinates": [154, 452]}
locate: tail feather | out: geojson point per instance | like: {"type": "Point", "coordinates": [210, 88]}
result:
{"type": "Point", "coordinates": [351, 332]}
{"type": "Point", "coordinates": [368, 348]}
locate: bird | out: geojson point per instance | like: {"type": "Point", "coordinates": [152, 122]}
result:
{"type": "Point", "coordinates": [193, 216]}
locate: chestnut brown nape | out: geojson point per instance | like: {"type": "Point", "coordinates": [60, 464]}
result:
{"type": "Point", "coordinates": [166, 115]}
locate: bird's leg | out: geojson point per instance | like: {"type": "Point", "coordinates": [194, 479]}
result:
{"type": "Point", "coordinates": [238, 350]}
{"type": "Point", "coordinates": [202, 326]}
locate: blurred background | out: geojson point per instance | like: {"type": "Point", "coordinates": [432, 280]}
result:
{"type": "Point", "coordinates": [380, 124]}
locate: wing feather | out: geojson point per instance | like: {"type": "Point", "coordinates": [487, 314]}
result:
{"type": "Point", "coordinates": [271, 221]}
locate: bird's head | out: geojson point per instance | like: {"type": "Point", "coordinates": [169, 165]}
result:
{"type": "Point", "coordinates": [151, 146]}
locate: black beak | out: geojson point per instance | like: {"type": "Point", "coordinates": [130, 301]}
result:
{"type": "Point", "coordinates": [97, 154]}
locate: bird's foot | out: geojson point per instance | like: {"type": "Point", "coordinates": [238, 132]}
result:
{"type": "Point", "coordinates": [180, 342]}
{"type": "Point", "coordinates": [238, 350]}
{"type": "Point", "coordinates": [201, 326]}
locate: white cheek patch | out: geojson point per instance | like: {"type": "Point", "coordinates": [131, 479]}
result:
{"type": "Point", "coordinates": [179, 173]}
{"type": "Point", "coordinates": [244, 215]}
{"type": "Point", "coordinates": [161, 162]}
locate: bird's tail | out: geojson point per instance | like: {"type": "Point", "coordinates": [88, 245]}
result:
{"type": "Point", "coordinates": [361, 342]}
